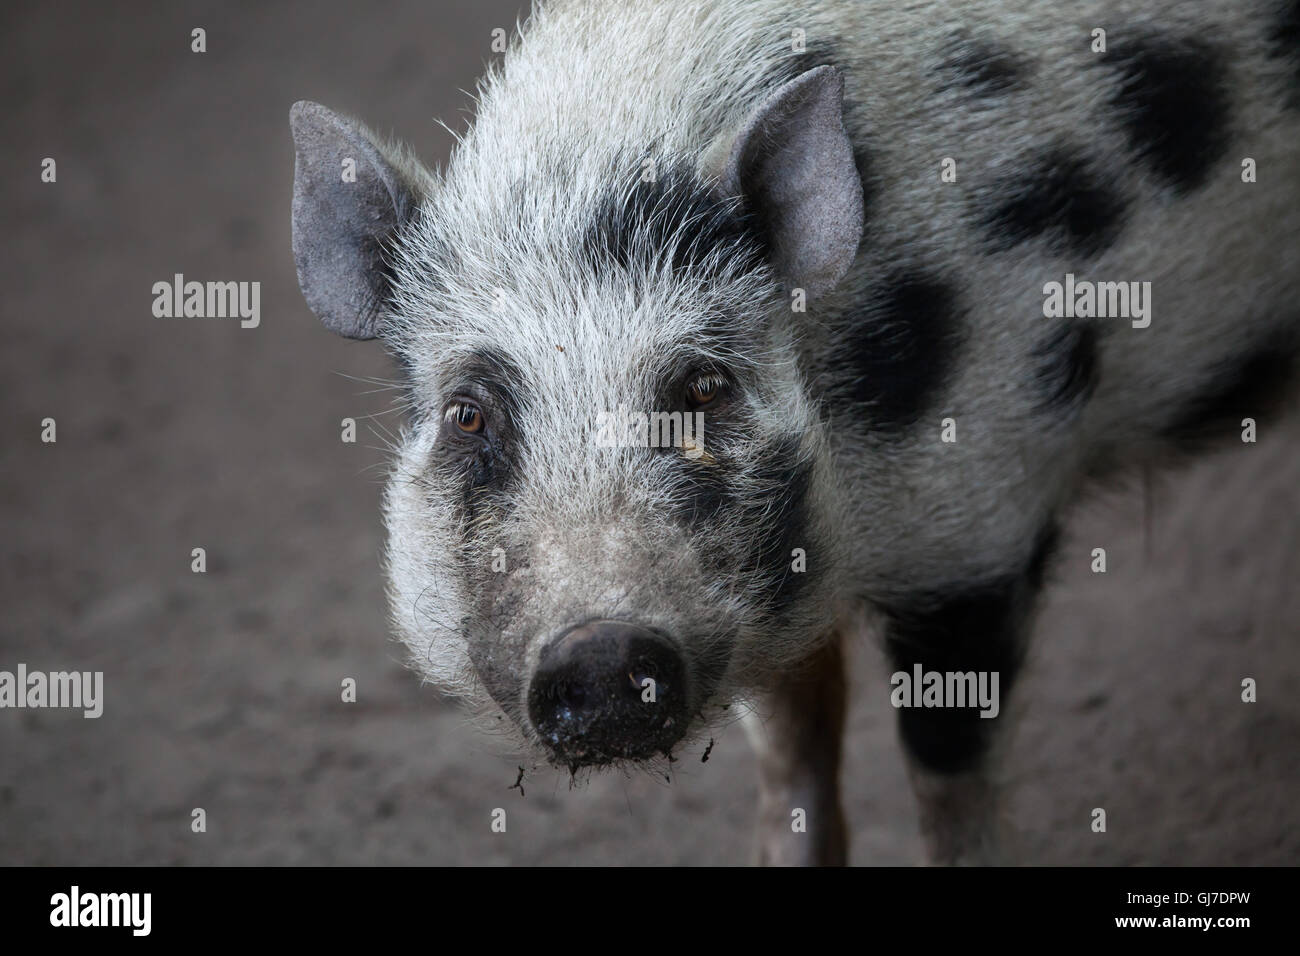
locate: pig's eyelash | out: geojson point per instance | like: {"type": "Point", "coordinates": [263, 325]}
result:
{"type": "Point", "coordinates": [709, 381]}
{"type": "Point", "coordinates": [455, 408]}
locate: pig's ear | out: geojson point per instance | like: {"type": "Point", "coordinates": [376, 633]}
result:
{"type": "Point", "coordinates": [348, 199]}
{"type": "Point", "coordinates": [793, 162]}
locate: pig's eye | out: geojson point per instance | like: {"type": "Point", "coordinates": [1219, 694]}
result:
{"type": "Point", "coordinates": [705, 389]}
{"type": "Point", "coordinates": [465, 416]}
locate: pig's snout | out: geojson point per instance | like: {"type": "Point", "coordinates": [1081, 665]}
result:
{"type": "Point", "coordinates": [608, 690]}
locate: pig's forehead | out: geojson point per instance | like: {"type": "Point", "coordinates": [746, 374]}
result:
{"type": "Point", "coordinates": [615, 285]}
{"type": "Point", "coordinates": [558, 236]}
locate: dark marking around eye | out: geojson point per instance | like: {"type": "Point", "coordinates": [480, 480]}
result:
{"type": "Point", "coordinates": [1067, 368]}
{"type": "Point", "coordinates": [1172, 97]}
{"type": "Point", "coordinates": [498, 375]}
{"type": "Point", "coordinates": [478, 463]}
{"type": "Point", "coordinates": [899, 352]}
{"type": "Point", "coordinates": [1061, 198]}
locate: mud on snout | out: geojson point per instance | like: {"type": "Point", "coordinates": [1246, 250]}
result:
{"type": "Point", "coordinates": [599, 667]}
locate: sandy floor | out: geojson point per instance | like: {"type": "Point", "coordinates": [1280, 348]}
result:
{"type": "Point", "coordinates": [223, 689]}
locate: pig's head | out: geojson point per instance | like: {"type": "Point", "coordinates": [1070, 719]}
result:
{"type": "Point", "coordinates": [602, 594]}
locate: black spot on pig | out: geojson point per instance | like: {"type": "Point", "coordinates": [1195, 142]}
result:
{"type": "Point", "coordinates": [1284, 38]}
{"type": "Point", "coordinates": [977, 627]}
{"type": "Point", "coordinates": [1251, 385]}
{"type": "Point", "coordinates": [674, 218]}
{"type": "Point", "coordinates": [981, 67]}
{"type": "Point", "coordinates": [1062, 198]}
{"type": "Point", "coordinates": [1066, 369]}
{"type": "Point", "coordinates": [781, 523]}
{"type": "Point", "coordinates": [1172, 97]}
{"type": "Point", "coordinates": [899, 352]}
{"type": "Point", "coordinates": [770, 501]}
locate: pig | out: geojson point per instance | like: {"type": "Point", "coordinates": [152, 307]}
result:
{"type": "Point", "coordinates": [927, 272]}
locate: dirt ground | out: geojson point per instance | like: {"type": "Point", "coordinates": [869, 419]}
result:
{"type": "Point", "coordinates": [222, 689]}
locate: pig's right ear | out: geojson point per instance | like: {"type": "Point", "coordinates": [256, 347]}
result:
{"type": "Point", "coordinates": [793, 163]}
{"type": "Point", "coordinates": [348, 200]}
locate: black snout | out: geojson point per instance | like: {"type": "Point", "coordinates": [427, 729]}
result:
{"type": "Point", "coordinates": [606, 691]}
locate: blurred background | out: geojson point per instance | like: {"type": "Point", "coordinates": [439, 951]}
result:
{"type": "Point", "coordinates": [222, 690]}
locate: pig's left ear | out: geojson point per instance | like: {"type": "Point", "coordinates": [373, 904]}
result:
{"type": "Point", "coordinates": [349, 198]}
{"type": "Point", "coordinates": [793, 162]}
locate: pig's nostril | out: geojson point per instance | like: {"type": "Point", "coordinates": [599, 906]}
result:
{"type": "Point", "coordinates": [572, 696]}
{"type": "Point", "coordinates": [608, 690]}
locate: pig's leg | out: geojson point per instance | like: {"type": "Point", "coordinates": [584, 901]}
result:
{"type": "Point", "coordinates": [951, 752]}
{"type": "Point", "coordinates": [797, 731]}
{"type": "Point", "coordinates": [961, 816]}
